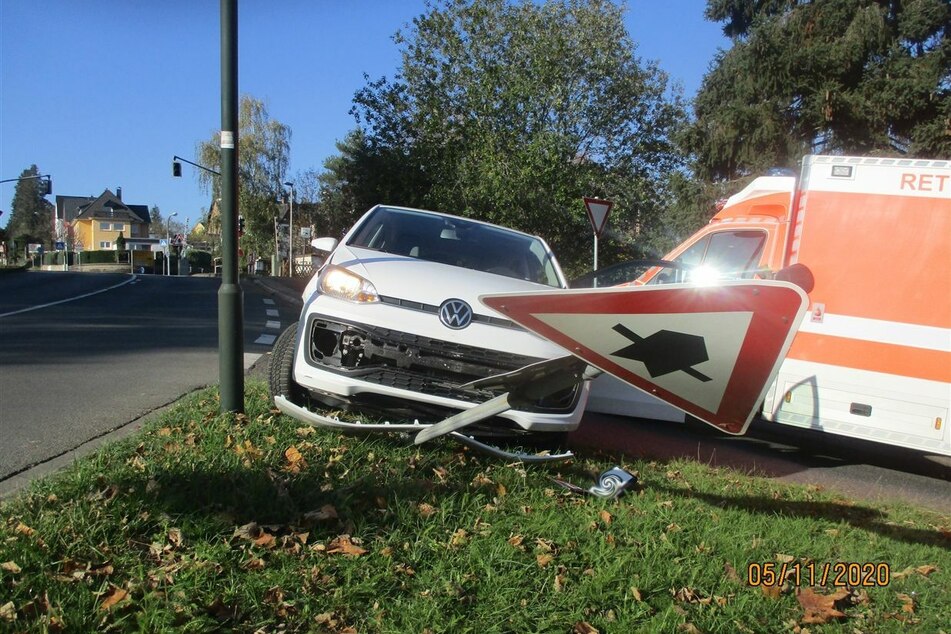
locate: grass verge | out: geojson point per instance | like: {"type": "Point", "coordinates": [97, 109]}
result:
{"type": "Point", "coordinates": [206, 522]}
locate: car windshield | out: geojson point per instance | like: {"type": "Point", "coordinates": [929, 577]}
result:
{"type": "Point", "coordinates": [457, 242]}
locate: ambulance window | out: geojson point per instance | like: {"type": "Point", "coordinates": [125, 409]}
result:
{"type": "Point", "coordinates": [735, 254]}
{"type": "Point", "coordinates": [691, 258]}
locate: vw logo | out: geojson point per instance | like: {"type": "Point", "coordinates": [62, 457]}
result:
{"type": "Point", "coordinates": [455, 314]}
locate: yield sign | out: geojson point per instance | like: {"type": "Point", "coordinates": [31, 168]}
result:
{"type": "Point", "coordinates": [711, 351]}
{"type": "Point", "coordinates": [598, 211]}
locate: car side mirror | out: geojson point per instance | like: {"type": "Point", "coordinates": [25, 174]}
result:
{"type": "Point", "coordinates": [325, 245]}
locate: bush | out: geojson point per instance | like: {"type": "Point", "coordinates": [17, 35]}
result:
{"type": "Point", "coordinates": [199, 261]}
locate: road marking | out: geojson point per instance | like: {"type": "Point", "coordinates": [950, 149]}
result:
{"type": "Point", "coordinates": [271, 312]}
{"type": "Point", "coordinates": [269, 302]}
{"type": "Point", "coordinates": [273, 325]}
{"type": "Point", "coordinates": [70, 299]}
{"type": "Point", "coordinates": [266, 340]}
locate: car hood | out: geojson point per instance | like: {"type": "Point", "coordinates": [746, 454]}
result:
{"type": "Point", "coordinates": [431, 283]}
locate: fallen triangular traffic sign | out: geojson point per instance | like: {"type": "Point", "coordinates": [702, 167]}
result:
{"type": "Point", "coordinates": [711, 351]}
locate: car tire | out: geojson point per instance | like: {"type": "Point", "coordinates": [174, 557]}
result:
{"type": "Point", "coordinates": [280, 375]}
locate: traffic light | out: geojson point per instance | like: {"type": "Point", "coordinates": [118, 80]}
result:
{"type": "Point", "coordinates": [240, 226]}
{"type": "Point", "coordinates": [47, 187]}
{"type": "Point", "coordinates": [176, 169]}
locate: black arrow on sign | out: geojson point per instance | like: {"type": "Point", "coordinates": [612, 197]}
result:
{"type": "Point", "coordinates": [665, 351]}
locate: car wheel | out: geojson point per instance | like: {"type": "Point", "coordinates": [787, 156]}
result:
{"type": "Point", "coordinates": [280, 375]}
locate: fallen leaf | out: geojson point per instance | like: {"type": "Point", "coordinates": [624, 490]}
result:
{"type": "Point", "coordinates": [175, 536]}
{"type": "Point", "coordinates": [583, 627]}
{"type": "Point", "coordinates": [293, 455]}
{"type": "Point", "coordinates": [907, 603]}
{"type": "Point", "coordinates": [304, 431]}
{"type": "Point", "coordinates": [772, 591]}
{"type": "Point", "coordinates": [23, 529]}
{"type": "Point", "coordinates": [459, 538]}
{"type": "Point", "coordinates": [500, 490]}
{"type": "Point", "coordinates": [730, 571]}
{"type": "Point", "coordinates": [426, 510]}
{"type": "Point", "coordinates": [636, 594]}
{"type": "Point", "coordinates": [114, 596]}
{"type": "Point", "coordinates": [325, 512]}
{"type": "Point", "coordinates": [8, 612]}
{"type": "Point", "coordinates": [543, 559]}
{"type": "Point", "coordinates": [606, 517]}
{"type": "Point", "coordinates": [344, 546]}
{"type": "Point", "coordinates": [10, 566]}
{"type": "Point", "coordinates": [516, 540]}
{"type": "Point", "coordinates": [926, 570]}
{"type": "Point", "coordinates": [441, 473]}
{"type": "Point", "coordinates": [785, 559]}
{"type": "Point", "coordinates": [689, 628]}
{"type": "Point", "coordinates": [821, 608]}
{"type": "Point", "coordinates": [559, 583]}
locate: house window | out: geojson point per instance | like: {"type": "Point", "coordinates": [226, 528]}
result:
{"type": "Point", "coordinates": [105, 244]}
{"type": "Point", "coordinates": [105, 226]}
{"type": "Point", "coordinates": [118, 226]}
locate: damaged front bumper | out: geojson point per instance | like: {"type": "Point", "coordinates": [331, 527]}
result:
{"type": "Point", "coordinates": [307, 416]}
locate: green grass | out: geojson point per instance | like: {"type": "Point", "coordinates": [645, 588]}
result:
{"type": "Point", "coordinates": [205, 523]}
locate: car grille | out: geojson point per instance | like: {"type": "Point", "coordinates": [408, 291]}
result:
{"type": "Point", "coordinates": [418, 364]}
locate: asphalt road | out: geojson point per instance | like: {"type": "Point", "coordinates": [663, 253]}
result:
{"type": "Point", "coordinates": [82, 354]}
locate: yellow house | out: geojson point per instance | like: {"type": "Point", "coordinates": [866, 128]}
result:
{"type": "Point", "coordinates": [94, 223]}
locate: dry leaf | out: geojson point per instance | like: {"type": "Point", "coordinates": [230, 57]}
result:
{"type": "Point", "coordinates": [426, 510]}
{"type": "Point", "coordinates": [441, 473]}
{"type": "Point", "coordinates": [636, 594]}
{"type": "Point", "coordinates": [606, 517]}
{"type": "Point", "coordinates": [785, 559]}
{"type": "Point", "coordinates": [908, 603]}
{"type": "Point", "coordinates": [344, 546]}
{"type": "Point", "coordinates": [583, 627]}
{"type": "Point", "coordinates": [500, 490]}
{"type": "Point", "coordinates": [559, 583]}
{"type": "Point", "coordinates": [175, 536]}
{"type": "Point", "coordinates": [8, 611]}
{"type": "Point", "coordinates": [10, 566]}
{"type": "Point", "coordinates": [326, 512]}
{"type": "Point", "coordinates": [772, 591]}
{"type": "Point", "coordinates": [459, 538]}
{"type": "Point", "coordinates": [926, 570]}
{"type": "Point", "coordinates": [293, 455]}
{"type": "Point", "coordinates": [23, 529]}
{"type": "Point", "coordinates": [821, 608]}
{"type": "Point", "coordinates": [730, 572]}
{"type": "Point", "coordinates": [304, 431]}
{"type": "Point", "coordinates": [516, 540]}
{"type": "Point", "coordinates": [543, 559]}
{"type": "Point", "coordinates": [114, 596]}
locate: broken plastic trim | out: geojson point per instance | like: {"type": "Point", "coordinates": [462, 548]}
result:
{"type": "Point", "coordinates": [305, 415]}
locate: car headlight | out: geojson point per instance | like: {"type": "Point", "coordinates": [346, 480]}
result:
{"type": "Point", "coordinates": [338, 282]}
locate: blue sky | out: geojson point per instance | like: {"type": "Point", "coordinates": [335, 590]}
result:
{"type": "Point", "coordinates": [101, 94]}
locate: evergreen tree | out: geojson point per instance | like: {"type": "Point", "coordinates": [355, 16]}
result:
{"type": "Point", "coordinates": [835, 76]}
{"type": "Point", "coordinates": [31, 215]}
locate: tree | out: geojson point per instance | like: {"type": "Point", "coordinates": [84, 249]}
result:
{"type": "Point", "coordinates": [31, 216]}
{"type": "Point", "coordinates": [155, 215]}
{"type": "Point", "coordinates": [263, 156]}
{"type": "Point", "coordinates": [837, 76]}
{"type": "Point", "coordinates": [512, 112]}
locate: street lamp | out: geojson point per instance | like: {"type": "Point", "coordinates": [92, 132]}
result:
{"type": "Point", "coordinates": [290, 242]}
{"type": "Point", "coordinates": [168, 246]}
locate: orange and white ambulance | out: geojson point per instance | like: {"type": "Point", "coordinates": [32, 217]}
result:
{"type": "Point", "coordinates": [869, 240]}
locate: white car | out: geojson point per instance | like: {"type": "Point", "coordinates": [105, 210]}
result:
{"type": "Point", "coordinates": [392, 328]}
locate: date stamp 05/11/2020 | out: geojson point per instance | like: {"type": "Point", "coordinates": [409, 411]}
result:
{"type": "Point", "coordinates": [835, 574]}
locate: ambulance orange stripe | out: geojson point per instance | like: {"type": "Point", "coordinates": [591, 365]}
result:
{"type": "Point", "coordinates": [932, 365]}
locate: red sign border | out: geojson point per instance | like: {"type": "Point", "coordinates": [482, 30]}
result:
{"type": "Point", "coordinates": [587, 200]}
{"type": "Point", "coordinates": [777, 307]}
